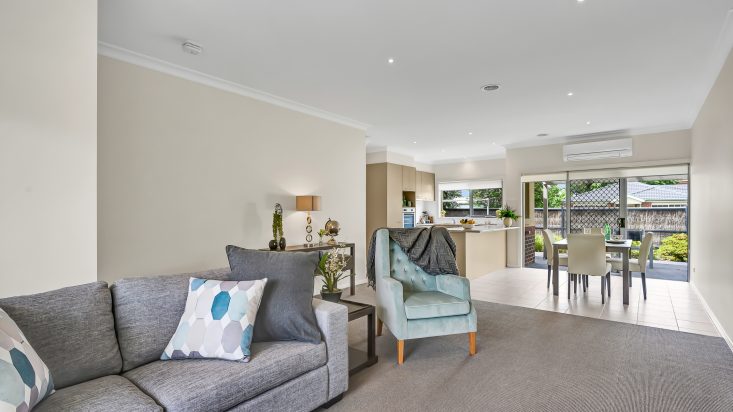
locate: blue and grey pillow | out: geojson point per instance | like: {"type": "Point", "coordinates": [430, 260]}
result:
{"type": "Point", "coordinates": [24, 378]}
{"type": "Point", "coordinates": [218, 321]}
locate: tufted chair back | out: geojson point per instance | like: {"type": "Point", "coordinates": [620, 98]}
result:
{"type": "Point", "coordinates": [412, 277]}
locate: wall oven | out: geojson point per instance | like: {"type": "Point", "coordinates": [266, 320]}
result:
{"type": "Point", "coordinates": [408, 217]}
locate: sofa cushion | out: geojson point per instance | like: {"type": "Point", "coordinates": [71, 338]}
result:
{"type": "Point", "coordinates": [110, 393]}
{"type": "Point", "coordinates": [421, 305]}
{"type": "Point", "coordinates": [286, 312]}
{"type": "Point", "coordinates": [218, 320]}
{"type": "Point", "coordinates": [72, 329]}
{"type": "Point", "coordinates": [147, 312]}
{"type": "Point", "coordinates": [24, 379]}
{"type": "Point", "coordinates": [217, 385]}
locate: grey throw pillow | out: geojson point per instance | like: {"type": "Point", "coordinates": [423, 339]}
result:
{"type": "Point", "coordinates": [286, 310]}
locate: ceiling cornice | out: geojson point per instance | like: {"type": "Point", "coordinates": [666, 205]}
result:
{"type": "Point", "coordinates": [152, 63]}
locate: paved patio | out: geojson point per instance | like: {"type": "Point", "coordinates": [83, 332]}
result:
{"type": "Point", "coordinates": [662, 269]}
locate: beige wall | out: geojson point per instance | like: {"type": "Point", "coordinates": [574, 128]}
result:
{"type": "Point", "coordinates": [186, 169]}
{"type": "Point", "coordinates": [490, 169]}
{"type": "Point", "coordinates": [48, 145]}
{"type": "Point", "coordinates": [712, 200]}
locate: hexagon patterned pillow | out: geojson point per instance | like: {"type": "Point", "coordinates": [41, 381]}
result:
{"type": "Point", "coordinates": [24, 379]}
{"type": "Point", "coordinates": [218, 320]}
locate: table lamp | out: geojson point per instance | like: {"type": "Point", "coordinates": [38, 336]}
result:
{"type": "Point", "coordinates": [308, 204]}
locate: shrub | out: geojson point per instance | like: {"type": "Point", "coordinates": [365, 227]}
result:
{"type": "Point", "coordinates": [673, 248]}
{"type": "Point", "coordinates": [539, 241]}
{"type": "Point", "coordinates": [635, 252]}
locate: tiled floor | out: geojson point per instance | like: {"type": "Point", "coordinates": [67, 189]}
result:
{"type": "Point", "coordinates": [669, 304]}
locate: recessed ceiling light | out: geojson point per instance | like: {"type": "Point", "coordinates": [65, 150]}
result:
{"type": "Point", "coordinates": [470, 133]}
{"type": "Point", "coordinates": [542, 135]}
{"type": "Point", "coordinates": [390, 60]}
{"type": "Point", "coordinates": [415, 142]}
{"type": "Point", "coordinates": [588, 122]}
{"type": "Point", "coordinates": [570, 93]}
{"type": "Point", "coordinates": [580, 1]}
{"type": "Point", "coordinates": [494, 143]}
{"type": "Point", "coordinates": [490, 87]}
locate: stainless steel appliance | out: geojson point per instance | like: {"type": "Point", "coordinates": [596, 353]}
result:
{"type": "Point", "coordinates": [408, 217]}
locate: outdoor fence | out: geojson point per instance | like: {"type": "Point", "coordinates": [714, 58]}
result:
{"type": "Point", "coordinates": [663, 221]}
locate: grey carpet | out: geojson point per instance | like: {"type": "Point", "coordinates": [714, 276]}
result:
{"type": "Point", "coordinates": [532, 360]}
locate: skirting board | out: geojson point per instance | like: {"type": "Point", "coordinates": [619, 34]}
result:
{"type": "Point", "coordinates": [718, 325]}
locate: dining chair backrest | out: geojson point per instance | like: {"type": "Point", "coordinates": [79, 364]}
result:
{"type": "Point", "coordinates": [547, 241]}
{"type": "Point", "coordinates": [646, 244]}
{"type": "Point", "coordinates": [587, 254]}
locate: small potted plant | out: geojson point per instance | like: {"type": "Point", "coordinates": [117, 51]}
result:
{"type": "Point", "coordinates": [331, 269]}
{"type": "Point", "coordinates": [321, 234]}
{"type": "Point", "coordinates": [508, 214]}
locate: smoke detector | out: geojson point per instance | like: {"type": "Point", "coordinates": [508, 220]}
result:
{"type": "Point", "coordinates": [192, 48]}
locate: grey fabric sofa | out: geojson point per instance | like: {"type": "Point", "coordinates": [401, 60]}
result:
{"type": "Point", "coordinates": [103, 344]}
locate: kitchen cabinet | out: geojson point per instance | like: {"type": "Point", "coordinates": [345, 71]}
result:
{"type": "Point", "coordinates": [384, 194]}
{"type": "Point", "coordinates": [425, 182]}
{"type": "Point", "coordinates": [409, 179]}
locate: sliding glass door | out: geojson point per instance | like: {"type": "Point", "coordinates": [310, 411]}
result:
{"type": "Point", "coordinates": [595, 203]}
{"type": "Point", "coordinates": [633, 202]}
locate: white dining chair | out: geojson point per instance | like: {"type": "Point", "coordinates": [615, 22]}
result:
{"type": "Point", "coordinates": [637, 265]}
{"type": "Point", "coordinates": [549, 249]}
{"type": "Point", "coordinates": [587, 257]}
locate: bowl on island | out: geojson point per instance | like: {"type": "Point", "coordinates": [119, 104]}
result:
{"type": "Point", "coordinates": [467, 223]}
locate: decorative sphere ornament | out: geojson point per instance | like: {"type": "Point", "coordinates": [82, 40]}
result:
{"type": "Point", "coordinates": [332, 229]}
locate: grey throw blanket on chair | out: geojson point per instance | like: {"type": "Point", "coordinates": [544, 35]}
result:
{"type": "Point", "coordinates": [432, 249]}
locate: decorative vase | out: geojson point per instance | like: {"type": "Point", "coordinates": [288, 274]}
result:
{"type": "Point", "coordinates": [508, 222]}
{"type": "Point", "coordinates": [282, 243]}
{"type": "Point", "coordinates": [334, 296]}
{"type": "Point", "coordinates": [273, 244]}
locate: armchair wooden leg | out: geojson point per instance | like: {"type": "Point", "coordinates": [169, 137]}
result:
{"type": "Point", "coordinates": [471, 343]}
{"type": "Point", "coordinates": [400, 352]}
{"type": "Point", "coordinates": [379, 327]}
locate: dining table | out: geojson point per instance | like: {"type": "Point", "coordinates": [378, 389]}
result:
{"type": "Point", "coordinates": [623, 247]}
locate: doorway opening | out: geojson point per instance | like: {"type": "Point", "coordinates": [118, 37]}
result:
{"type": "Point", "coordinates": [632, 203]}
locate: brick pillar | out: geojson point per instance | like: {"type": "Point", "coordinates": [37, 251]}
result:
{"type": "Point", "coordinates": [529, 232]}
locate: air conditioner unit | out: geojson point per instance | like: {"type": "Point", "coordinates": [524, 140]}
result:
{"type": "Point", "coordinates": [604, 149]}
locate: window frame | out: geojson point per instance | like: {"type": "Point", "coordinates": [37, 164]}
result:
{"type": "Point", "coordinates": [471, 210]}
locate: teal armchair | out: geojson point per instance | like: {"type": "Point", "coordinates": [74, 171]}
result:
{"type": "Point", "coordinates": [414, 304]}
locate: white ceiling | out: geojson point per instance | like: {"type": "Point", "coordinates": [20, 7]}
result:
{"type": "Point", "coordinates": [635, 65]}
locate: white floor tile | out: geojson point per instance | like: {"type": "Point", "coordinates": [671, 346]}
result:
{"type": "Point", "coordinates": [669, 304]}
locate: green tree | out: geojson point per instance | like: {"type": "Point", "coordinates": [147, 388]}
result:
{"type": "Point", "coordinates": [450, 195]}
{"type": "Point", "coordinates": [486, 197]}
{"type": "Point", "coordinates": [555, 196]}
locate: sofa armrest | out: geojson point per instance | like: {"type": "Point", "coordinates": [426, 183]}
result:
{"type": "Point", "coordinates": [453, 285]}
{"type": "Point", "coordinates": [333, 321]}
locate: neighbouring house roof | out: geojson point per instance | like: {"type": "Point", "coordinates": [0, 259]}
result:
{"type": "Point", "coordinates": [636, 190]}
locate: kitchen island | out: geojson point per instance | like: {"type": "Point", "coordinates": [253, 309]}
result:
{"type": "Point", "coordinates": [481, 250]}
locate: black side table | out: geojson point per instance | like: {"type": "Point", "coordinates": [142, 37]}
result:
{"type": "Point", "coordinates": [358, 359]}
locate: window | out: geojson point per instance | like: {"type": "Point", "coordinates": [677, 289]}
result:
{"type": "Point", "coordinates": [475, 199]}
